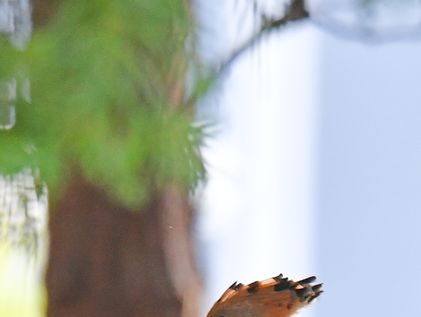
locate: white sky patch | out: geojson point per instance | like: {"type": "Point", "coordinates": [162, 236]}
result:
{"type": "Point", "coordinates": [256, 218]}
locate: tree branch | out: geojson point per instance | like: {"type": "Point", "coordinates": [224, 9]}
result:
{"type": "Point", "coordinates": [296, 11]}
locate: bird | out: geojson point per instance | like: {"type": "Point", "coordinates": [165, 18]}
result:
{"type": "Point", "coordinates": [274, 297]}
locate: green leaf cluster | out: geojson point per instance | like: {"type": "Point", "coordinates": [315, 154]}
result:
{"type": "Point", "coordinates": [102, 79]}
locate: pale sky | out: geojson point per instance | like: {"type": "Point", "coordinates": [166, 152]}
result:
{"type": "Point", "coordinates": [316, 168]}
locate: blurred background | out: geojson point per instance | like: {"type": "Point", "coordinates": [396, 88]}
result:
{"type": "Point", "coordinates": [313, 157]}
{"type": "Point", "coordinates": [316, 165]}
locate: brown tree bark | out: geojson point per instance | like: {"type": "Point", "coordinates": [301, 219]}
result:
{"type": "Point", "coordinates": [106, 260]}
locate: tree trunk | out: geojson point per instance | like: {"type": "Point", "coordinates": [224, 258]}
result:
{"type": "Point", "coordinates": [106, 260]}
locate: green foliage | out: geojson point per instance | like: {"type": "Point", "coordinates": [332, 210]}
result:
{"type": "Point", "coordinates": [101, 74]}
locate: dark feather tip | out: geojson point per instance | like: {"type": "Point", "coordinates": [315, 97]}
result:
{"type": "Point", "coordinates": [253, 287]}
{"type": "Point", "coordinates": [302, 292]}
{"type": "Point", "coordinates": [307, 280]}
{"type": "Point", "coordinates": [317, 294]}
{"type": "Point", "coordinates": [317, 287]}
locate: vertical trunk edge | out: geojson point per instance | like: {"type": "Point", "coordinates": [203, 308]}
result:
{"type": "Point", "coordinates": [107, 260]}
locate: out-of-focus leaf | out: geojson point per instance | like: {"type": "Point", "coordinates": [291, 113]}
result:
{"type": "Point", "coordinates": [101, 98]}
